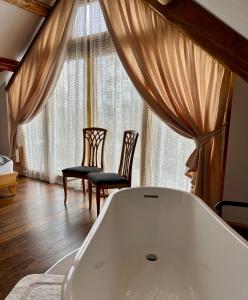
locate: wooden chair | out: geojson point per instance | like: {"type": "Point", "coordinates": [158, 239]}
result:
{"type": "Point", "coordinates": [115, 180]}
{"type": "Point", "coordinates": [93, 156]}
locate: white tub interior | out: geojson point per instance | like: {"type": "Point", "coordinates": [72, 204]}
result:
{"type": "Point", "coordinates": [198, 256]}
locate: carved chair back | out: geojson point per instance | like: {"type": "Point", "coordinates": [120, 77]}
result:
{"type": "Point", "coordinates": [128, 147]}
{"type": "Point", "coordinates": [93, 147]}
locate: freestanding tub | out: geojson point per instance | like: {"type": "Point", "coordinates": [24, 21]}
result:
{"type": "Point", "coordinates": [193, 253]}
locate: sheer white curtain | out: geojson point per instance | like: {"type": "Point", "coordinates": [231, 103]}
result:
{"type": "Point", "coordinates": [54, 138]}
{"type": "Point", "coordinates": [165, 155]}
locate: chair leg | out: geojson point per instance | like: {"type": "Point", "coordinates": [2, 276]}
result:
{"type": "Point", "coordinates": [103, 193]}
{"type": "Point", "coordinates": [12, 189]}
{"type": "Point", "coordinates": [65, 188]}
{"type": "Point", "coordinates": [90, 194]}
{"type": "Point", "coordinates": [98, 200]}
{"type": "Point", "coordinates": [83, 185]}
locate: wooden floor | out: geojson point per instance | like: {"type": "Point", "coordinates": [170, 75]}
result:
{"type": "Point", "coordinates": [36, 229]}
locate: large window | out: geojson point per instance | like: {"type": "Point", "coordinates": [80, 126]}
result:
{"type": "Point", "coordinates": [94, 90]}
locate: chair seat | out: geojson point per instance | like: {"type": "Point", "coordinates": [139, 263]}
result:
{"type": "Point", "coordinates": [84, 170]}
{"type": "Point", "coordinates": [106, 178]}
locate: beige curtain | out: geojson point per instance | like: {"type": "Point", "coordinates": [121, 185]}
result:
{"type": "Point", "coordinates": [37, 75]}
{"type": "Point", "coordinates": [182, 84]}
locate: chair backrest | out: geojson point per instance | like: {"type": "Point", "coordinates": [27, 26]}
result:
{"type": "Point", "coordinates": [93, 148]}
{"type": "Point", "coordinates": [128, 147]}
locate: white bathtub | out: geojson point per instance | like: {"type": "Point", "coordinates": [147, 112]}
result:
{"type": "Point", "coordinates": [198, 255]}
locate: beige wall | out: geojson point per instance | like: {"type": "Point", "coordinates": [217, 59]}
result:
{"type": "Point", "coordinates": [17, 27]}
{"type": "Point", "coordinates": [236, 179]}
{"type": "Point", "coordinates": [232, 12]}
{"type": "Point", "coordinates": [4, 141]}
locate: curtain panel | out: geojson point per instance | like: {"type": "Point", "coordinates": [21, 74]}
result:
{"type": "Point", "coordinates": [181, 83]}
{"type": "Point", "coordinates": [95, 90]}
{"type": "Point", "coordinates": [39, 71]}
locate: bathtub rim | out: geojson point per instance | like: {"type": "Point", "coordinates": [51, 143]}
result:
{"type": "Point", "coordinates": [65, 292]}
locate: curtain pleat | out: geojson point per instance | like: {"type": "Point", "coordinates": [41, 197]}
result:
{"type": "Point", "coordinates": [38, 73]}
{"type": "Point", "coordinates": [115, 105]}
{"type": "Point", "coordinates": [181, 83]}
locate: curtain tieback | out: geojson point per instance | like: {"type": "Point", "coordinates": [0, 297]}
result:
{"type": "Point", "coordinates": [192, 161]}
{"type": "Point", "coordinates": [203, 139]}
{"type": "Point", "coordinates": [20, 136]}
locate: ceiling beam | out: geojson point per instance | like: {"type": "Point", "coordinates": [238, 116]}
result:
{"type": "Point", "coordinates": [8, 64]}
{"type": "Point", "coordinates": [217, 38]}
{"type": "Point", "coordinates": [34, 6]}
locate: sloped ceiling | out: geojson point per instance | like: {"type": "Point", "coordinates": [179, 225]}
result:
{"type": "Point", "coordinates": [17, 28]}
{"type": "Point", "coordinates": [232, 12]}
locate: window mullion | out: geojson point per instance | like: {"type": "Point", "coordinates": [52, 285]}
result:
{"type": "Point", "coordinates": [89, 83]}
{"type": "Point", "coordinates": [144, 142]}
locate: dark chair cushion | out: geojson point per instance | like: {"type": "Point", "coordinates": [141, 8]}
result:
{"type": "Point", "coordinates": [106, 178]}
{"type": "Point", "coordinates": [81, 170]}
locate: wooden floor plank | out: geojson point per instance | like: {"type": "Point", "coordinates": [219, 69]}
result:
{"type": "Point", "coordinates": [36, 229]}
